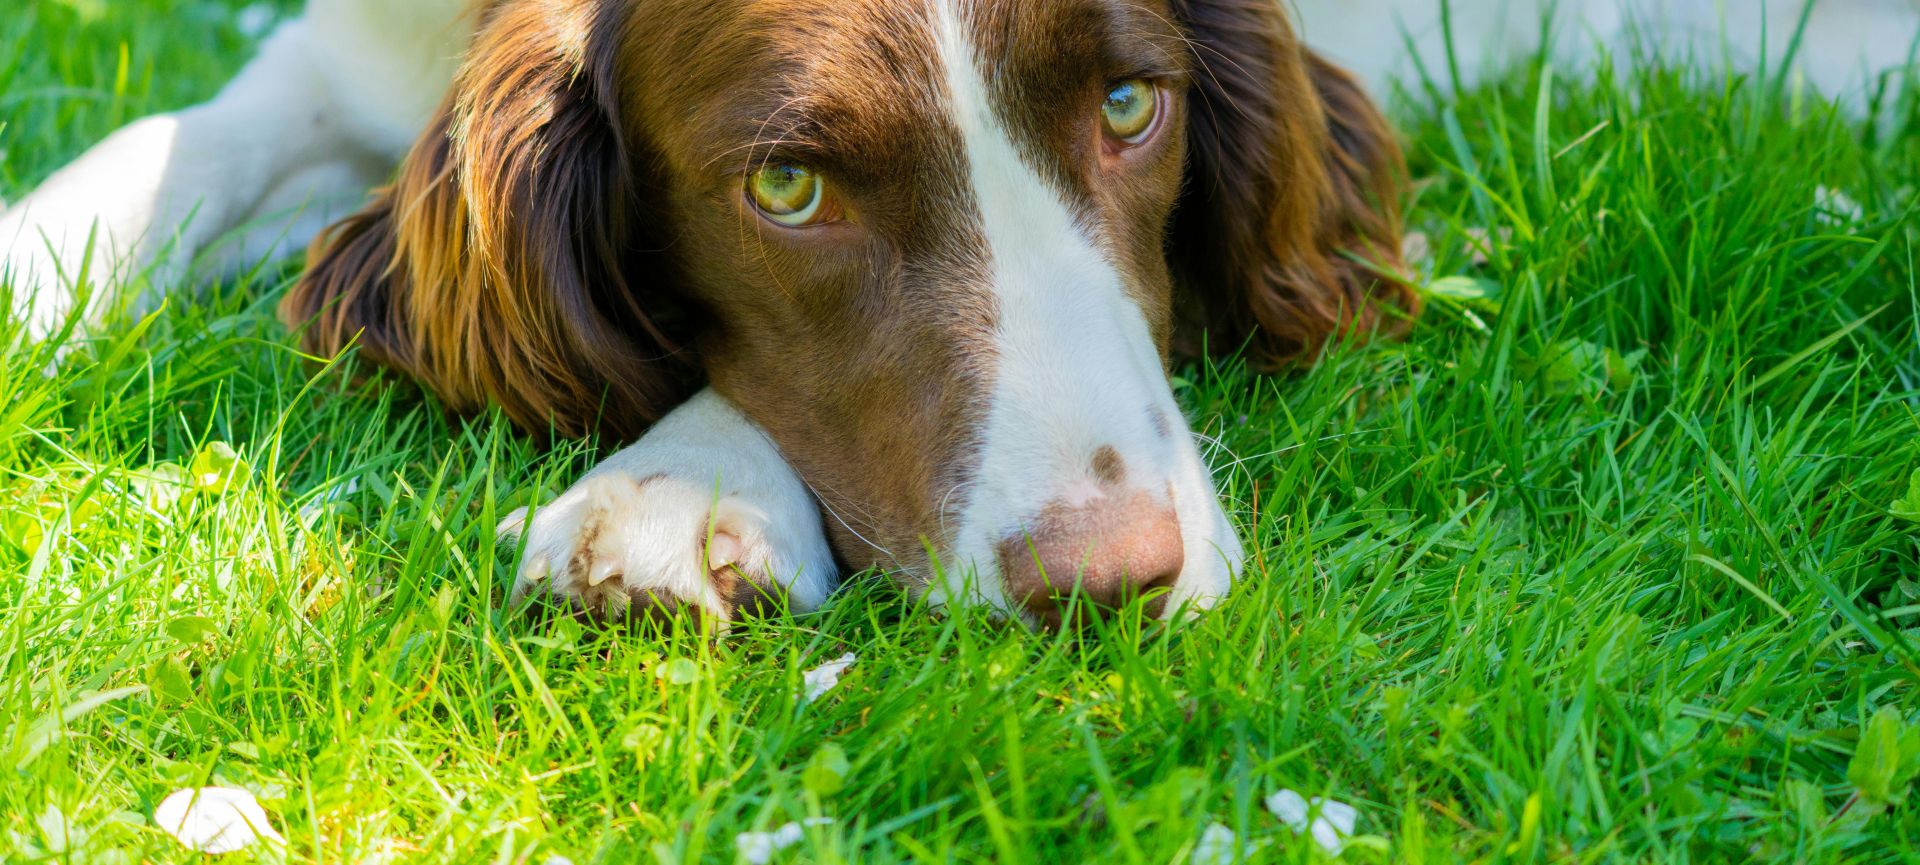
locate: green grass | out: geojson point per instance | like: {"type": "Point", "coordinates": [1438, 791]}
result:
{"type": "Point", "coordinates": [1598, 566]}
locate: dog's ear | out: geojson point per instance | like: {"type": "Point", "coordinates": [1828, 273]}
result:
{"type": "Point", "coordinates": [1288, 232]}
{"type": "Point", "coordinates": [500, 268]}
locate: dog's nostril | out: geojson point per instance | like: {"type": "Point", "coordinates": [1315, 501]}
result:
{"type": "Point", "coordinates": [1108, 551]}
{"type": "Point", "coordinates": [1157, 589]}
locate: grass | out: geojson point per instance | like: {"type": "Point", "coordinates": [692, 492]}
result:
{"type": "Point", "coordinates": [1598, 566]}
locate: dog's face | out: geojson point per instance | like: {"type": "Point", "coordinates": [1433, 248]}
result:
{"type": "Point", "coordinates": [931, 240]}
{"type": "Point", "coordinates": [931, 246]}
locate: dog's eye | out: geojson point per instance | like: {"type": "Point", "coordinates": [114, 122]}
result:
{"type": "Point", "coordinates": [791, 195]}
{"type": "Point", "coordinates": [1130, 110]}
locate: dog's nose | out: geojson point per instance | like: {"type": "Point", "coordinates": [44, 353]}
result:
{"type": "Point", "coordinates": [1109, 549]}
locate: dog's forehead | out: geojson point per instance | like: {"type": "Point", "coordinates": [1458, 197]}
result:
{"type": "Point", "coordinates": [1035, 36]}
{"type": "Point", "coordinates": [867, 61]}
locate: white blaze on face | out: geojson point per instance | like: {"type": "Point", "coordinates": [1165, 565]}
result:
{"type": "Point", "coordinates": [1076, 366]}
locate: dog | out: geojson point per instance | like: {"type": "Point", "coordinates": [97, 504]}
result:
{"type": "Point", "coordinates": [883, 283]}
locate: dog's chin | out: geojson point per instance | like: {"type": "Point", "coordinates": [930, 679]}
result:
{"type": "Point", "coordinates": [1215, 555]}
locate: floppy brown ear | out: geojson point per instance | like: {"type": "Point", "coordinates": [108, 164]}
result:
{"type": "Point", "coordinates": [499, 268]}
{"type": "Point", "coordinates": [1288, 233]}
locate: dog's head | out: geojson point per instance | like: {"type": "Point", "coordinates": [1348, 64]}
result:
{"type": "Point", "coordinates": [941, 250]}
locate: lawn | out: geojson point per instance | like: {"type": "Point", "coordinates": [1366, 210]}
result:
{"type": "Point", "coordinates": [1605, 563]}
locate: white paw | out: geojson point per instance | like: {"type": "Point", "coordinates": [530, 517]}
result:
{"type": "Point", "coordinates": [617, 545]}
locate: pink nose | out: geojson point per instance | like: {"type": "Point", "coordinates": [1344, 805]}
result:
{"type": "Point", "coordinates": [1110, 550]}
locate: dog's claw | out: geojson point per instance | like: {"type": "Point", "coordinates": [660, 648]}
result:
{"type": "Point", "coordinates": [615, 543]}
{"type": "Point", "coordinates": [724, 551]}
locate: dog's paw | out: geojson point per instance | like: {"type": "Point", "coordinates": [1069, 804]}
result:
{"type": "Point", "coordinates": [616, 545]}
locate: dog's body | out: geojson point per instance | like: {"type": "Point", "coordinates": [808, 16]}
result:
{"type": "Point", "coordinates": [958, 373]}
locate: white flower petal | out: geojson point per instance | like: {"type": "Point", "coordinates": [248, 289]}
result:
{"type": "Point", "coordinates": [1340, 815]}
{"type": "Point", "coordinates": [215, 819]}
{"type": "Point", "coordinates": [788, 835]}
{"type": "Point", "coordinates": [1330, 823]}
{"type": "Point", "coordinates": [1216, 847]}
{"type": "Point", "coordinates": [1482, 242]}
{"type": "Point", "coordinates": [1415, 248]}
{"type": "Point", "coordinates": [1291, 808]}
{"type": "Point", "coordinates": [821, 679]}
{"type": "Point", "coordinates": [1836, 207]}
{"type": "Point", "coordinates": [757, 848]}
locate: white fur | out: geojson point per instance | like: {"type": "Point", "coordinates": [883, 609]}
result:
{"type": "Point", "coordinates": [1075, 368]}
{"type": "Point", "coordinates": [641, 520]}
{"type": "Point", "coordinates": [324, 112]}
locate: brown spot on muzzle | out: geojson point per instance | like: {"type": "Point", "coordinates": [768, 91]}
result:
{"type": "Point", "coordinates": [1108, 467]}
{"type": "Point", "coordinates": [1108, 551]}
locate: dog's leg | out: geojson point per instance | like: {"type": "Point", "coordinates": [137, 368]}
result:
{"type": "Point", "coordinates": [158, 191]}
{"type": "Point", "coordinates": [1845, 44]}
{"type": "Point", "coordinates": [284, 147]}
{"type": "Point", "coordinates": [703, 513]}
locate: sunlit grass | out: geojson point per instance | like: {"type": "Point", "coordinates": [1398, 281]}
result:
{"type": "Point", "coordinates": [1599, 566]}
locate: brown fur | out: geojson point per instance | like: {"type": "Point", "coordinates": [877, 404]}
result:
{"type": "Point", "coordinates": [572, 225]}
{"type": "Point", "coordinates": [862, 348]}
{"type": "Point", "coordinates": [1289, 233]}
{"type": "Point", "coordinates": [503, 267]}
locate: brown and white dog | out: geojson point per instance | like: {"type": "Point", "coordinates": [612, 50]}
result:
{"type": "Point", "coordinates": [928, 258]}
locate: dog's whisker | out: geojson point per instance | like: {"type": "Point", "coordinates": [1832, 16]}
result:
{"type": "Point", "coordinates": [835, 513]}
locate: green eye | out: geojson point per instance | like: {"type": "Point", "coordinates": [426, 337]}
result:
{"type": "Point", "coordinates": [1130, 109]}
{"type": "Point", "coordinates": [791, 195]}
